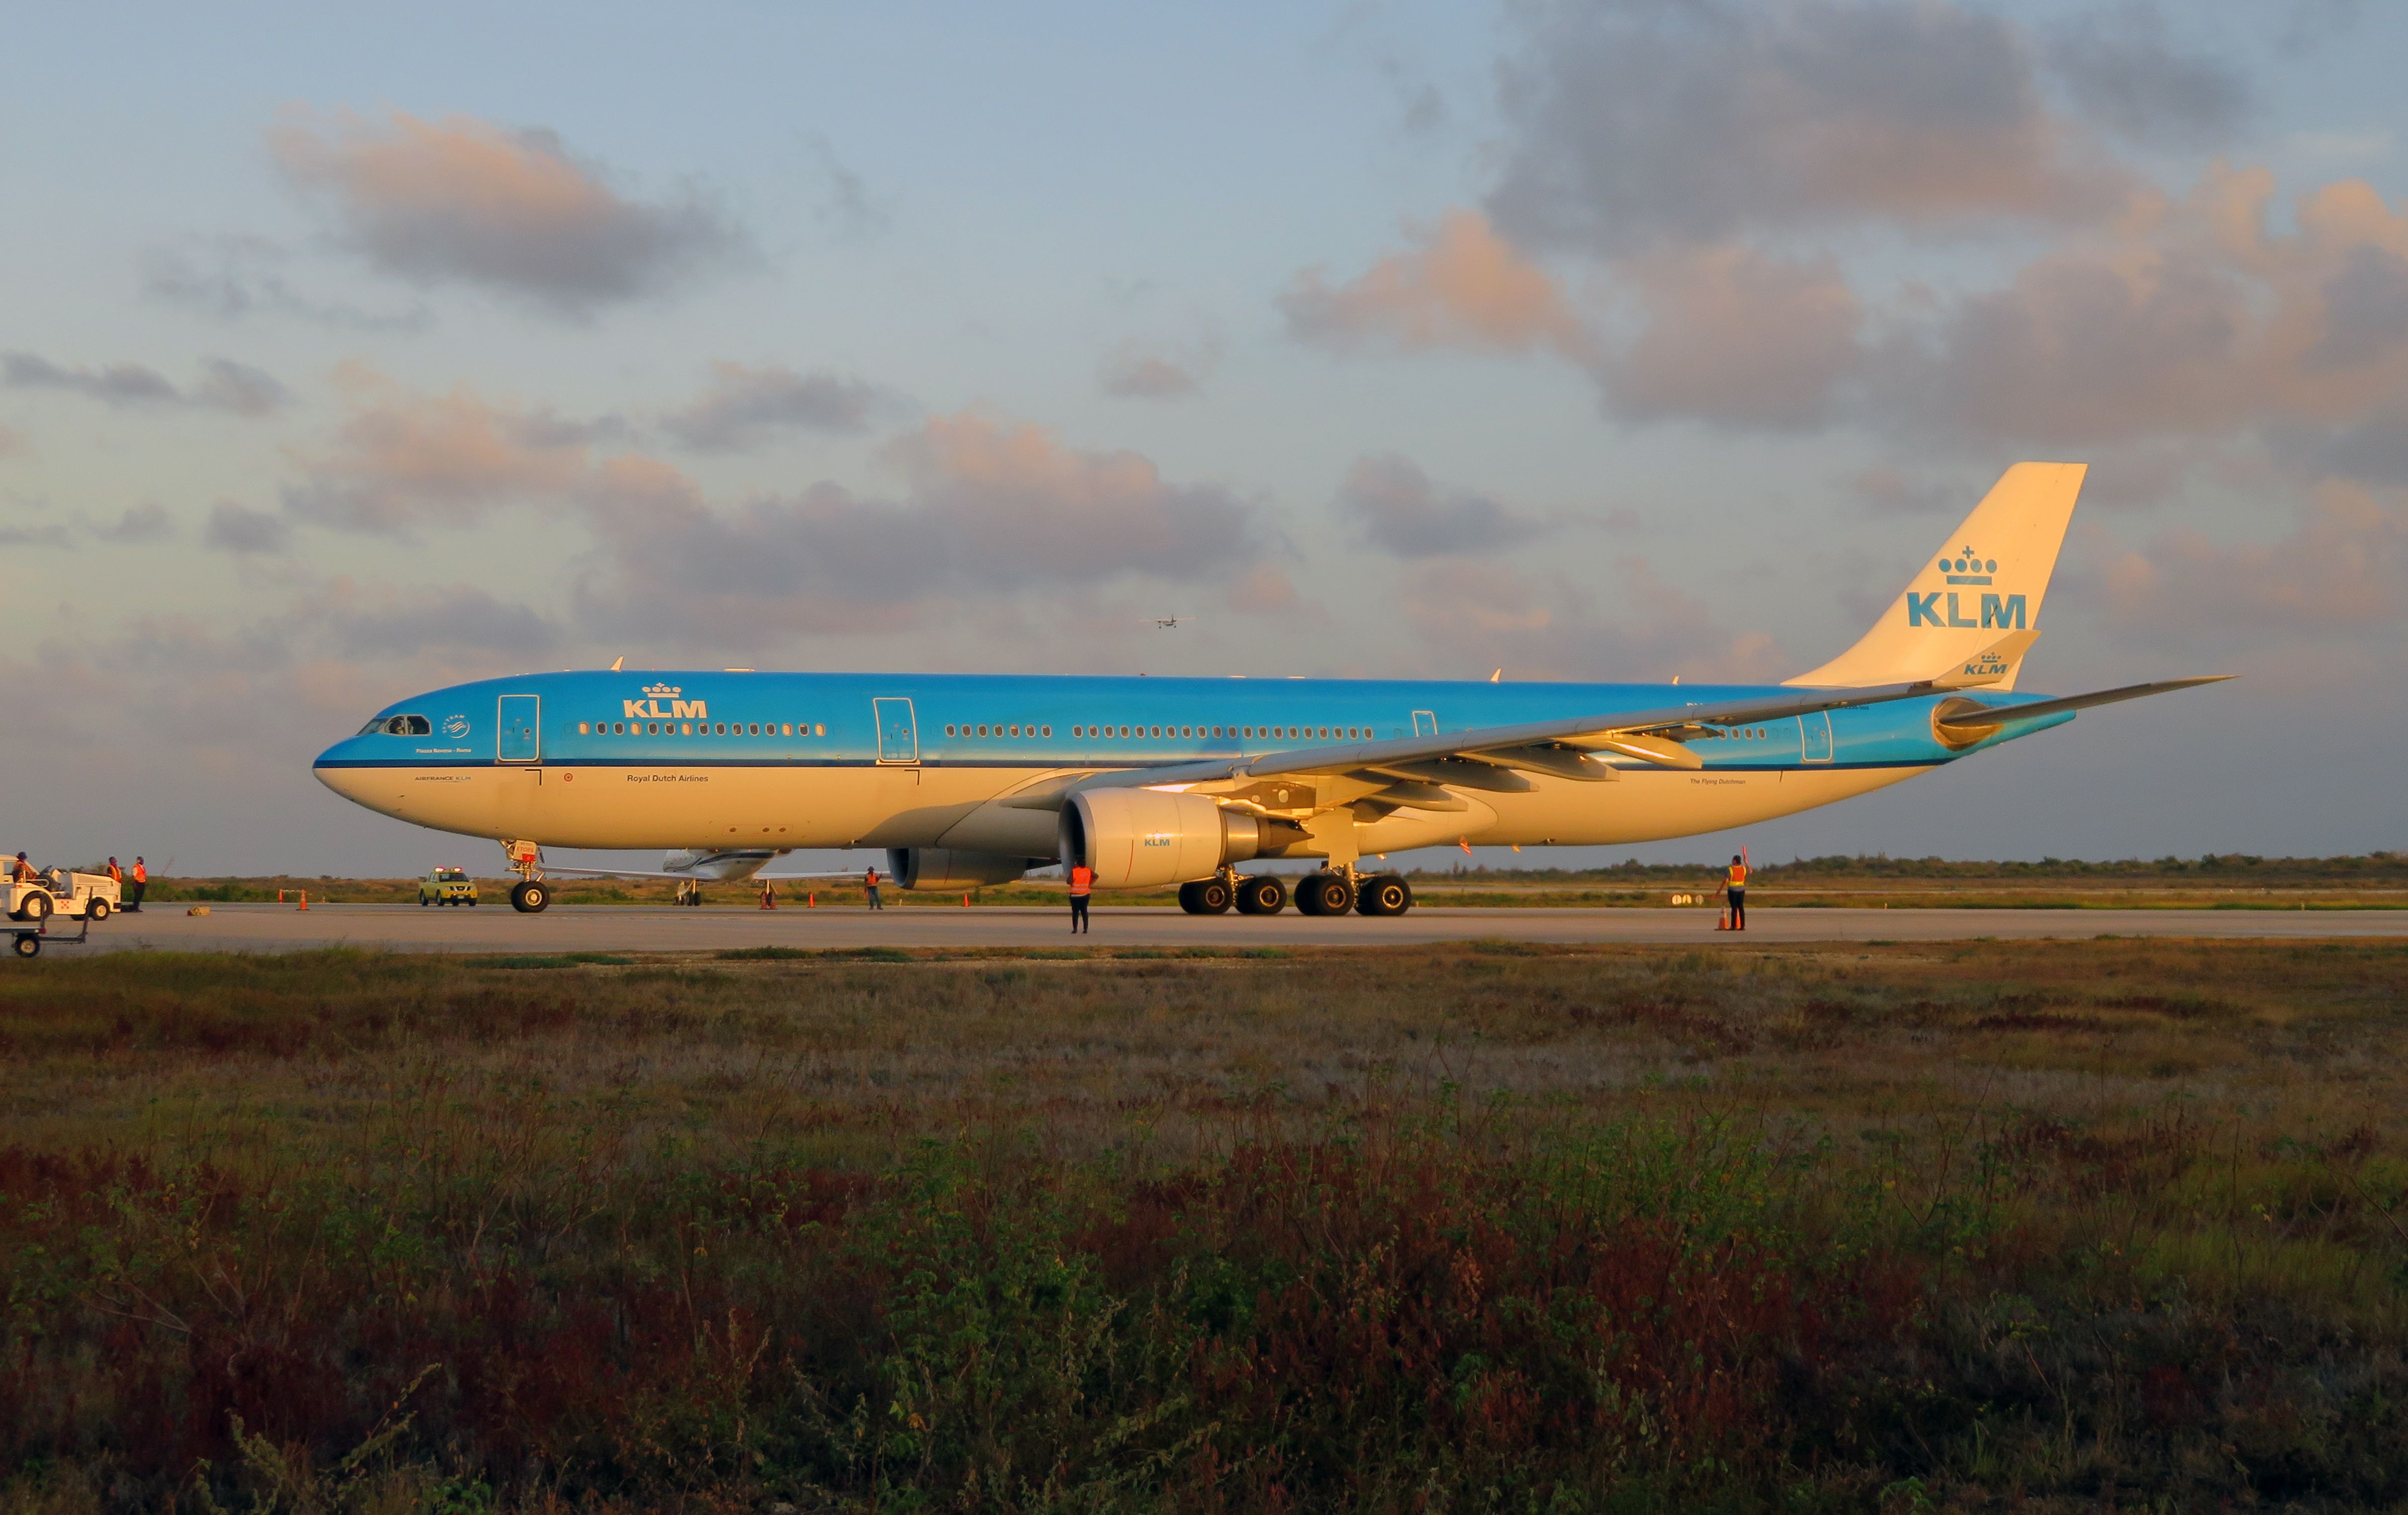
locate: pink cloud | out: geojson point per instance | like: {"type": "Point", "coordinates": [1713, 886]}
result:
{"type": "Point", "coordinates": [1462, 286]}
{"type": "Point", "coordinates": [465, 200]}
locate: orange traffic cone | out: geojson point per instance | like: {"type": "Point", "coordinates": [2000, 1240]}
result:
{"type": "Point", "coordinates": [304, 899]}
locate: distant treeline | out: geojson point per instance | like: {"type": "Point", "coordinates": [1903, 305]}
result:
{"type": "Point", "coordinates": [2214, 867]}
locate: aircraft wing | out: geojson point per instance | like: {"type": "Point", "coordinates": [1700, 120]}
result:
{"type": "Point", "coordinates": [1558, 747]}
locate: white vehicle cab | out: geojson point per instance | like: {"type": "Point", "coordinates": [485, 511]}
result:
{"type": "Point", "coordinates": [79, 896]}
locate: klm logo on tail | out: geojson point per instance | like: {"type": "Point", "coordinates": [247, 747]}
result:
{"type": "Point", "coordinates": [2002, 612]}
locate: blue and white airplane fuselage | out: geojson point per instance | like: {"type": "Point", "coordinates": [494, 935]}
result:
{"type": "Point", "coordinates": [803, 760]}
{"type": "Point", "coordinates": [978, 778]}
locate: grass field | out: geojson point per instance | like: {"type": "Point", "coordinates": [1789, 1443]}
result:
{"type": "Point", "coordinates": [2095, 1226]}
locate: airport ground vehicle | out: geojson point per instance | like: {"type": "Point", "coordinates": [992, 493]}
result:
{"type": "Point", "coordinates": [447, 886]}
{"type": "Point", "coordinates": [29, 939]}
{"type": "Point", "coordinates": [85, 897]}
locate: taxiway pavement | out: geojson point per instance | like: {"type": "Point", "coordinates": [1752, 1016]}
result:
{"type": "Point", "coordinates": [280, 928]}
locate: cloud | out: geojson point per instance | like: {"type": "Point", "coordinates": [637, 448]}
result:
{"type": "Point", "coordinates": [143, 523]}
{"type": "Point", "coordinates": [237, 387]}
{"type": "Point", "coordinates": [12, 442]}
{"type": "Point", "coordinates": [1142, 371]}
{"type": "Point", "coordinates": [745, 408]}
{"type": "Point", "coordinates": [1463, 286]}
{"type": "Point", "coordinates": [464, 201]}
{"type": "Point", "coordinates": [45, 535]}
{"type": "Point", "coordinates": [1648, 121]}
{"type": "Point", "coordinates": [1545, 625]}
{"type": "Point", "coordinates": [990, 508]}
{"type": "Point", "coordinates": [235, 277]}
{"type": "Point", "coordinates": [223, 385]}
{"type": "Point", "coordinates": [402, 460]}
{"type": "Point", "coordinates": [1398, 508]}
{"type": "Point", "coordinates": [2342, 570]}
{"type": "Point", "coordinates": [1733, 335]}
{"type": "Point", "coordinates": [2123, 73]}
{"type": "Point", "coordinates": [2193, 321]}
{"type": "Point", "coordinates": [379, 621]}
{"type": "Point", "coordinates": [850, 206]}
{"type": "Point", "coordinates": [242, 531]}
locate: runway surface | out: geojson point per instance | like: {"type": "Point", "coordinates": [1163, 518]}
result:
{"type": "Point", "coordinates": [280, 928]}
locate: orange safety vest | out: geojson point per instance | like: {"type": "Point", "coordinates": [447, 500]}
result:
{"type": "Point", "coordinates": [141, 874]}
{"type": "Point", "coordinates": [115, 877]}
{"type": "Point", "coordinates": [1739, 876]}
{"type": "Point", "coordinates": [1082, 880]}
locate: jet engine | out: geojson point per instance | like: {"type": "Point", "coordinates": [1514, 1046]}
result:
{"type": "Point", "coordinates": [943, 868]}
{"type": "Point", "coordinates": [1136, 837]}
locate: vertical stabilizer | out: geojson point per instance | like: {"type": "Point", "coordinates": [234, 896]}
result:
{"type": "Point", "coordinates": [1985, 584]}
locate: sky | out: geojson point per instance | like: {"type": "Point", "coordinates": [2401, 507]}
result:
{"type": "Point", "coordinates": [347, 353]}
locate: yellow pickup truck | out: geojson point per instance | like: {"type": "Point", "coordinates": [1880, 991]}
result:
{"type": "Point", "coordinates": [447, 886]}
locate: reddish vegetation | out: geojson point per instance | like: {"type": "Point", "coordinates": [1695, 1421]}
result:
{"type": "Point", "coordinates": [582, 1238]}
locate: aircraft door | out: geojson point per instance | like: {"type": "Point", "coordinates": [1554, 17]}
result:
{"type": "Point", "coordinates": [898, 731]}
{"type": "Point", "coordinates": [1814, 737]}
{"type": "Point", "coordinates": [1425, 722]}
{"type": "Point", "coordinates": [518, 731]}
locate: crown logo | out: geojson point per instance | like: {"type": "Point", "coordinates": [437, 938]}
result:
{"type": "Point", "coordinates": [1967, 566]}
{"type": "Point", "coordinates": [663, 692]}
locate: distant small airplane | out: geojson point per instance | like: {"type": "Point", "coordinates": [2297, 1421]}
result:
{"type": "Point", "coordinates": [1170, 622]}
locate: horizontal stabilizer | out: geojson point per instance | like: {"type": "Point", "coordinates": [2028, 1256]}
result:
{"type": "Point", "coordinates": [1972, 720]}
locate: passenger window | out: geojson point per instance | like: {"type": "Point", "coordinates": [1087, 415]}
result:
{"type": "Point", "coordinates": [1048, 732]}
{"type": "Point", "coordinates": [581, 729]}
{"type": "Point", "coordinates": [820, 729]}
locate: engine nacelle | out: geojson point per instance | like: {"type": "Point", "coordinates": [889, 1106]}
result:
{"type": "Point", "coordinates": [942, 867]}
{"type": "Point", "coordinates": [1137, 837]}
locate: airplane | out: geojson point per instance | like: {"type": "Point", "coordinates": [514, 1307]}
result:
{"type": "Point", "coordinates": [968, 779]}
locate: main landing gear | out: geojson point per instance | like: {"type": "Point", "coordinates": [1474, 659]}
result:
{"type": "Point", "coordinates": [1331, 892]}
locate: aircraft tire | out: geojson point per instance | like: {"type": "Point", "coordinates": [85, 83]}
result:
{"type": "Point", "coordinates": [28, 945]}
{"type": "Point", "coordinates": [1205, 897]}
{"type": "Point", "coordinates": [1387, 894]}
{"type": "Point", "coordinates": [1262, 894]}
{"type": "Point", "coordinates": [1325, 893]}
{"type": "Point", "coordinates": [530, 897]}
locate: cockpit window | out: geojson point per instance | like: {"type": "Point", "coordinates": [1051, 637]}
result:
{"type": "Point", "coordinates": [399, 725]}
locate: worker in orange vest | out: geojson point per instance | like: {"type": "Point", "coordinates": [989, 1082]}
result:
{"type": "Point", "coordinates": [141, 885]}
{"type": "Point", "coordinates": [116, 874]}
{"type": "Point", "coordinates": [869, 882]}
{"type": "Point", "coordinates": [1735, 889]}
{"type": "Point", "coordinates": [1083, 883]}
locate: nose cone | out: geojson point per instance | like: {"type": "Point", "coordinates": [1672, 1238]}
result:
{"type": "Point", "coordinates": [343, 769]}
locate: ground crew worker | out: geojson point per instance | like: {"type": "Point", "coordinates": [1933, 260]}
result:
{"type": "Point", "coordinates": [1734, 887]}
{"type": "Point", "coordinates": [141, 883]}
{"type": "Point", "coordinates": [116, 874]}
{"type": "Point", "coordinates": [1083, 883]}
{"type": "Point", "coordinates": [20, 871]}
{"type": "Point", "coordinates": [869, 882]}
